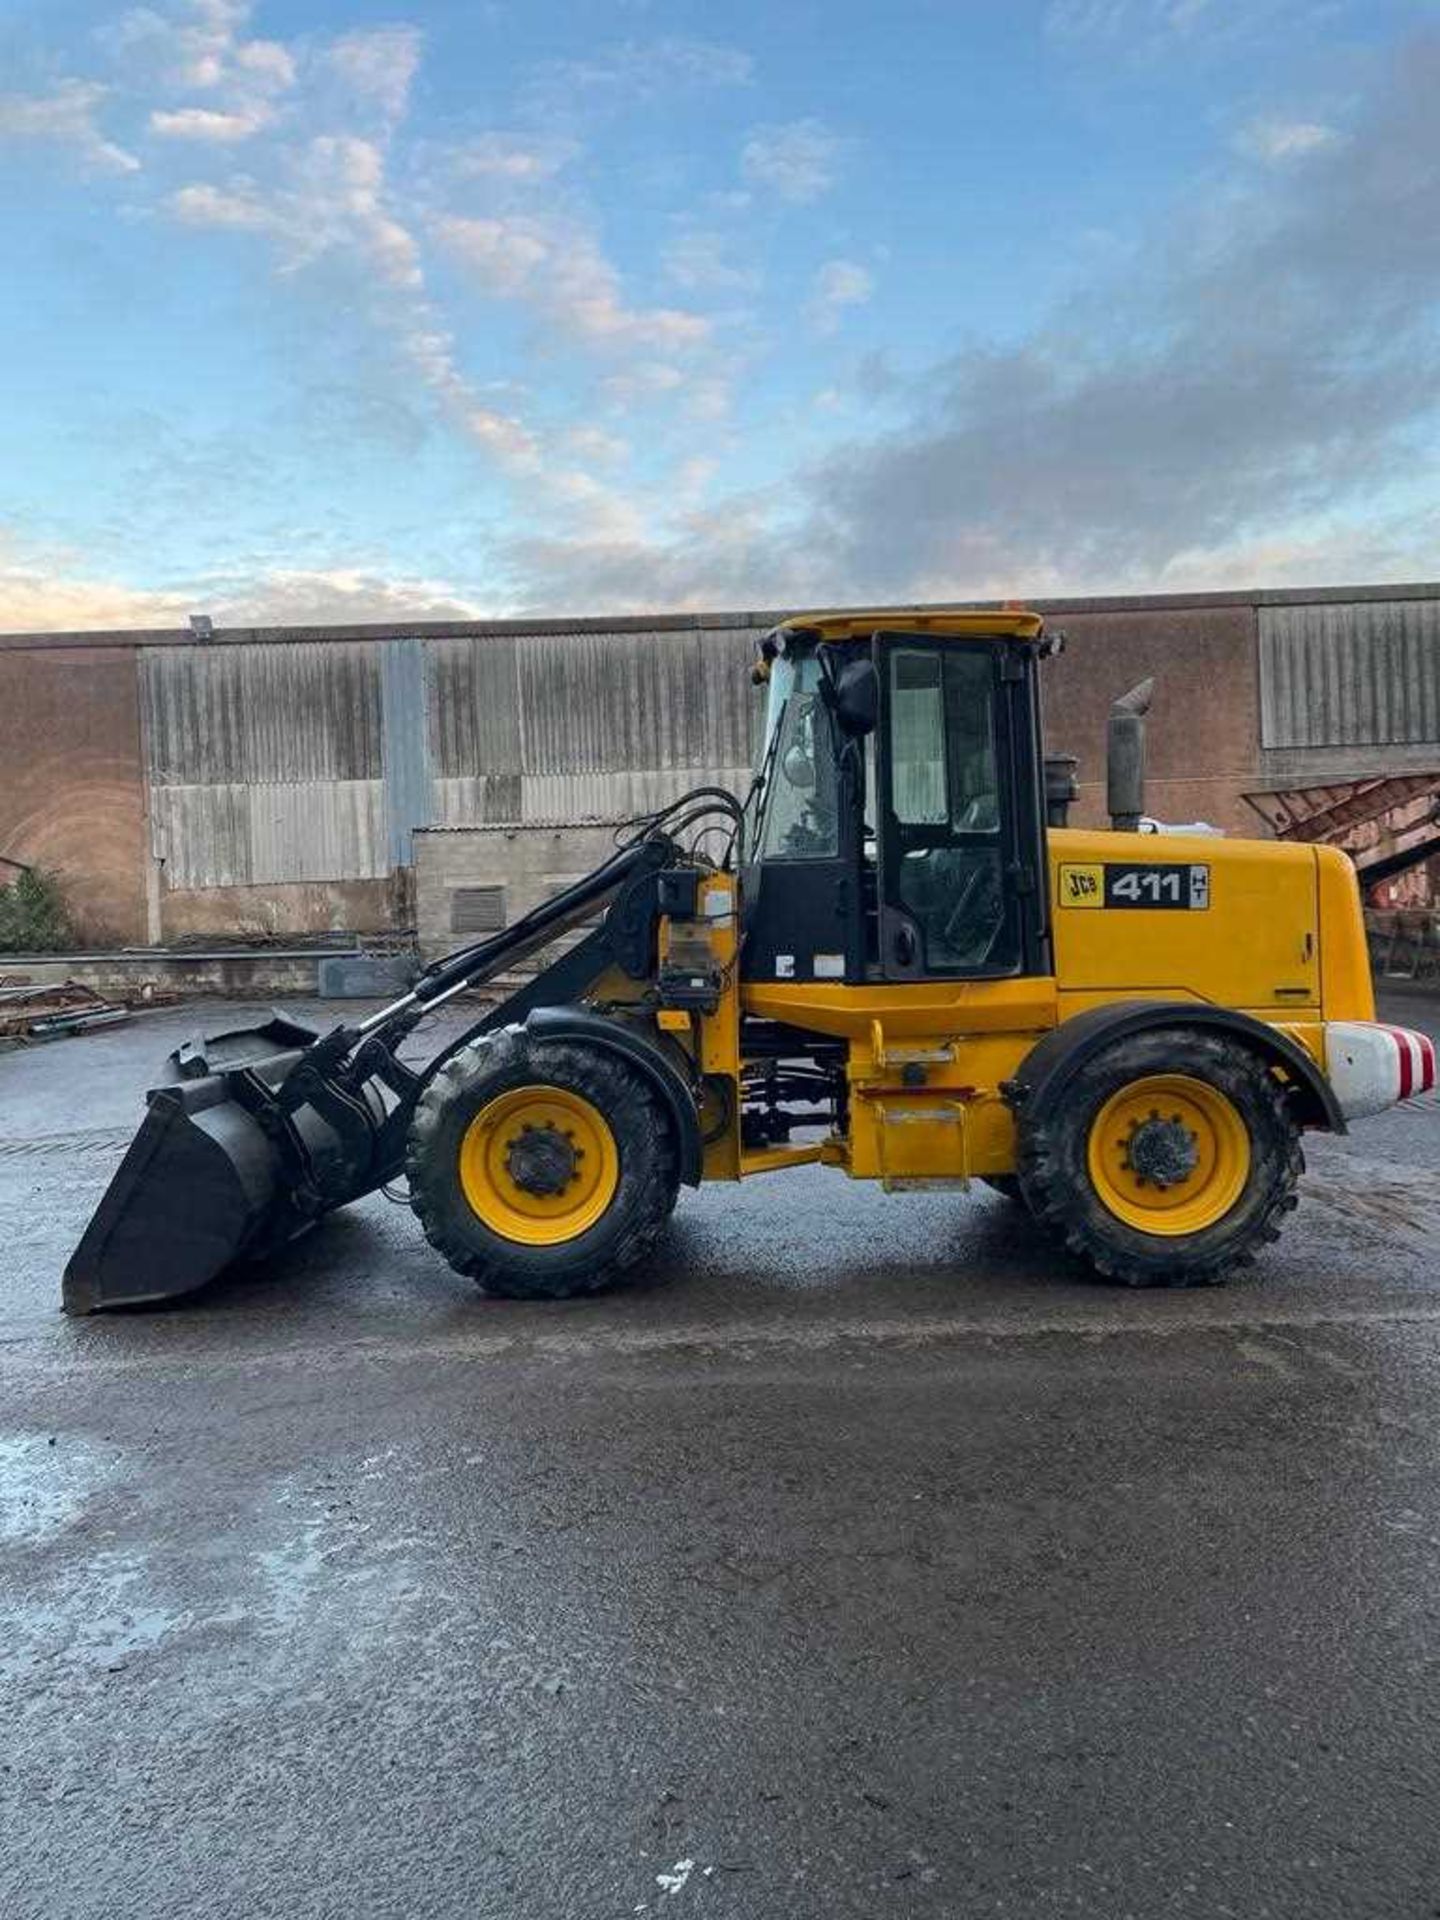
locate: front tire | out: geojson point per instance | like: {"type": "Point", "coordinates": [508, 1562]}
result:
{"type": "Point", "coordinates": [1007, 1185]}
{"type": "Point", "coordinates": [1171, 1159]}
{"type": "Point", "coordinates": [540, 1169]}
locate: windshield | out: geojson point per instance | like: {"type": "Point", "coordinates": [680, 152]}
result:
{"type": "Point", "coordinates": [799, 818]}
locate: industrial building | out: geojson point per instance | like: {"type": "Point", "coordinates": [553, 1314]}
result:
{"type": "Point", "coordinates": [274, 783]}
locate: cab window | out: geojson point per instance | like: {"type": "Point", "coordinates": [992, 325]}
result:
{"type": "Point", "coordinates": [945, 858]}
{"type": "Point", "coordinates": [799, 809]}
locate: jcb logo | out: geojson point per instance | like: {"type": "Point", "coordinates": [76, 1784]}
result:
{"type": "Point", "coordinates": [1082, 886]}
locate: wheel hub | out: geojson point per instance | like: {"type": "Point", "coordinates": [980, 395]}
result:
{"type": "Point", "coordinates": [543, 1160]}
{"type": "Point", "coordinates": [1163, 1151]}
{"type": "Point", "coordinates": [1169, 1154]}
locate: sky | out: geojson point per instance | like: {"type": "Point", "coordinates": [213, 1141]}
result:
{"type": "Point", "coordinates": [321, 310]}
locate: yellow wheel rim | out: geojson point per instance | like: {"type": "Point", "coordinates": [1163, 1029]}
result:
{"type": "Point", "coordinates": [1169, 1154]}
{"type": "Point", "coordinates": [539, 1165]}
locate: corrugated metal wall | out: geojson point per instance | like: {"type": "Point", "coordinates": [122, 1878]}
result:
{"type": "Point", "coordinates": [571, 727]}
{"type": "Point", "coordinates": [1361, 673]}
{"type": "Point", "coordinates": [263, 763]}
{"type": "Point", "coordinates": [312, 761]}
{"type": "Point", "coordinates": [299, 757]}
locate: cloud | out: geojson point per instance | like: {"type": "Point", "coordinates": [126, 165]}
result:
{"type": "Point", "coordinates": [1278, 362]}
{"type": "Point", "coordinates": [1311, 553]}
{"type": "Point", "coordinates": [47, 592]}
{"type": "Point", "coordinates": [646, 380]}
{"type": "Point", "coordinates": [702, 260]}
{"type": "Point", "coordinates": [1149, 33]}
{"type": "Point", "coordinates": [333, 201]}
{"type": "Point", "coordinates": [197, 46]}
{"type": "Point", "coordinates": [302, 597]}
{"type": "Point", "coordinates": [1279, 140]}
{"type": "Point", "coordinates": [378, 67]}
{"type": "Point", "coordinates": [205, 123]}
{"type": "Point", "coordinates": [732, 555]}
{"type": "Point", "coordinates": [709, 399]}
{"type": "Point", "coordinates": [505, 255]}
{"type": "Point", "coordinates": [839, 284]}
{"type": "Point", "coordinates": [239, 206]}
{"type": "Point", "coordinates": [595, 445]}
{"type": "Point", "coordinates": [430, 350]}
{"type": "Point", "coordinates": [590, 512]}
{"type": "Point", "coordinates": [693, 478]}
{"type": "Point", "coordinates": [346, 196]}
{"type": "Point", "coordinates": [1134, 19]}
{"type": "Point", "coordinates": [636, 71]}
{"type": "Point", "coordinates": [795, 160]}
{"type": "Point", "coordinates": [67, 115]}
{"type": "Point", "coordinates": [329, 198]}
{"type": "Point", "coordinates": [1254, 398]}
{"type": "Point", "coordinates": [327, 184]}
{"type": "Point", "coordinates": [560, 271]}
{"type": "Point", "coordinates": [39, 593]}
{"type": "Point", "coordinates": [266, 65]}
{"type": "Point", "coordinates": [342, 185]}
{"type": "Point", "coordinates": [517, 158]}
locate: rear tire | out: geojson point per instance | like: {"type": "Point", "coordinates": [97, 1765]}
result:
{"type": "Point", "coordinates": [540, 1169]}
{"type": "Point", "coordinates": [1172, 1158]}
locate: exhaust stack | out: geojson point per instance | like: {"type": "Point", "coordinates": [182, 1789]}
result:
{"type": "Point", "coordinates": [1125, 758]}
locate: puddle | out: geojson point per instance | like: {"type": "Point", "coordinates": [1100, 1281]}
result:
{"type": "Point", "coordinates": [292, 1576]}
{"type": "Point", "coordinates": [45, 1483]}
{"type": "Point", "coordinates": [98, 1625]}
{"type": "Point", "coordinates": [329, 1556]}
{"type": "Point", "coordinates": [95, 1611]}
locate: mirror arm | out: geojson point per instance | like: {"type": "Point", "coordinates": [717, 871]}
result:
{"type": "Point", "coordinates": [828, 690]}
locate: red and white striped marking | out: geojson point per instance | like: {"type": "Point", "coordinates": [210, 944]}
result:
{"type": "Point", "coordinates": [1372, 1065]}
{"type": "Point", "coordinates": [1417, 1060]}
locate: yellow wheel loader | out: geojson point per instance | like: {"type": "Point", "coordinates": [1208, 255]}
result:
{"type": "Point", "coordinates": [892, 960]}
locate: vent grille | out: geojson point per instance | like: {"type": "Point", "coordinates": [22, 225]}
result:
{"type": "Point", "coordinates": [477, 909]}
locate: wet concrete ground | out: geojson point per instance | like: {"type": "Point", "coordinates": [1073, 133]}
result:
{"type": "Point", "coordinates": [867, 1559]}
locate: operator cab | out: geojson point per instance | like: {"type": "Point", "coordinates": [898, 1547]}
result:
{"type": "Point", "coordinates": [896, 830]}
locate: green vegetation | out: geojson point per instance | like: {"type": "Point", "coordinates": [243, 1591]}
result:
{"type": "Point", "coordinates": [32, 914]}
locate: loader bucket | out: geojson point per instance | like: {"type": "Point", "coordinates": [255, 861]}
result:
{"type": "Point", "coordinates": [256, 1133]}
{"type": "Point", "coordinates": [202, 1184]}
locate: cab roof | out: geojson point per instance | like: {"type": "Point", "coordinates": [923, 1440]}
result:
{"type": "Point", "coordinates": [969, 623]}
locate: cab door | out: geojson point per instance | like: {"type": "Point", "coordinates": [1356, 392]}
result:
{"type": "Point", "coordinates": [960, 831]}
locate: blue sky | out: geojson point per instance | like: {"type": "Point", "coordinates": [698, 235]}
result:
{"type": "Point", "coordinates": [326, 309]}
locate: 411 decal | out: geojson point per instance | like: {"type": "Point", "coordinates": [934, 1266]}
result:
{"type": "Point", "coordinates": [1174, 884]}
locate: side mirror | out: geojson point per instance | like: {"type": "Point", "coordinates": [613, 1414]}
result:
{"type": "Point", "coordinates": [798, 768]}
{"type": "Point", "coordinates": [857, 698]}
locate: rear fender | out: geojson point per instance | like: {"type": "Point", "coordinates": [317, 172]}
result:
{"type": "Point", "coordinates": [1051, 1065]}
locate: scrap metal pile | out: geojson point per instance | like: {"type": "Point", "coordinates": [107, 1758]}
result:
{"type": "Point", "coordinates": [30, 1012]}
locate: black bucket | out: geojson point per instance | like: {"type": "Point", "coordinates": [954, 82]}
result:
{"type": "Point", "coordinates": [202, 1183]}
